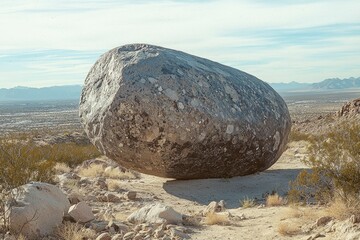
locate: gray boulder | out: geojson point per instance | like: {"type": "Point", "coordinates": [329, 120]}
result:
{"type": "Point", "coordinates": [167, 113]}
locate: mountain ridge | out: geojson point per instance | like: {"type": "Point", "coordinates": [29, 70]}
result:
{"type": "Point", "coordinates": [327, 84]}
{"type": "Point", "coordinates": [73, 92]}
{"type": "Point", "coordinates": [21, 93]}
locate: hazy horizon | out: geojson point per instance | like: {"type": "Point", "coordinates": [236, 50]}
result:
{"type": "Point", "coordinates": [48, 43]}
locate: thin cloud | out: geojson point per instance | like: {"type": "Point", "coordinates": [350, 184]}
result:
{"type": "Point", "coordinates": [46, 41]}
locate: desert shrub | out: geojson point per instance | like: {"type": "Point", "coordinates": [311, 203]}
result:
{"type": "Point", "coordinates": [71, 153]}
{"type": "Point", "coordinates": [335, 166]}
{"type": "Point", "coordinates": [274, 200]}
{"type": "Point", "coordinates": [21, 162]}
{"type": "Point", "coordinates": [74, 231]}
{"type": "Point", "coordinates": [288, 229]}
{"type": "Point", "coordinates": [344, 208]}
{"type": "Point", "coordinates": [247, 203]}
{"type": "Point", "coordinates": [216, 219]}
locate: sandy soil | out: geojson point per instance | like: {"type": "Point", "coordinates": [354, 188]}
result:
{"type": "Point", "coordinates": [192, 196]}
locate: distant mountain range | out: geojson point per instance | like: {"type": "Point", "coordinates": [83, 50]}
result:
{"type": "Point", "coordinates": [327, 84]}
{"type": "Point", "coordinates": [47, 93]}
{"type": "Point", "coordinates": [72, 92]}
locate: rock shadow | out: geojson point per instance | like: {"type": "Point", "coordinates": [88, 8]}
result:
{"type": "Point", "coordinates": [232, 190]}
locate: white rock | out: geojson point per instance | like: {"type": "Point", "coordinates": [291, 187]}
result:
{"type": "Point", "coordinates": [214, 207]}
{"type": "Point", "coordinates": [104, 236]}
{"type": "Point", "coordinates": [117, 237]}
{"type": "Point", "coordinates": [131, 195]}
{"type": "Point", "coordinates": [155, 213]}
{"type": "Point", "coordinates": [81, 212]}
{"type": "Point", "coordinates": [129, 236]}
{"type": "Point", "coordinates": [38, 209]}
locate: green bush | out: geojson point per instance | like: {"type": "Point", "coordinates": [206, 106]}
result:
{"type": "Point", "coordinates": [71, 153]}
{"type": "Point", "coordinates": [23, 162]}
{"type": "Point", "coordinates": [335, 166]}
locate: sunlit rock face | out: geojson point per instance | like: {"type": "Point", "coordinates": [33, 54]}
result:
{"type": "Point", "coordinates": [168, 113]}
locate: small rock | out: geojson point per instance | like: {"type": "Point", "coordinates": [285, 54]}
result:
{"type": "Point", "coordinates": [117, 237]}
{"type": "Point", "coordinates": [129, 236]}
{"type": "Point", "coordinates": [101, 182]}
{"type": "Point", "coordinates": [90, 198]}
{"type": "Point", "coordinates": [81, 212]}
{"type": "Point", "coordinates": [158, 233]}
{"type": "Point", "coordinates": [118, 227]}
{"type": "Point", "coordinates": [178, 234]}
{"type": "Point", "coordinates": [98, 226]}
{"type": "Point", "coordinates": [138, 237]}
{"type": "Point", "coordinates": [83, 182]}
{"type": "Point", "coordinates": [354, 219]}
{"type": "Point", "coordinates": [323, 220]}
{"type": "Point", "coordinates": [104, 236]}
{"type": "Point", "coordinates": [155, 213]}
{"type": "Point", "coordinates": [318, 235]}
{"type": "Point", "coordinates": [75, 198]}
{"type": "Point", "coordinates": [131, 195]}
{"type": "Point", "coordinates": [110, 197]}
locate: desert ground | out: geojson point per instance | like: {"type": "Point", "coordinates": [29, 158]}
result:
{"type": "Point", "coordinates": [246, 214]}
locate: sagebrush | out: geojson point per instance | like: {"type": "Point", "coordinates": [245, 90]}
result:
{"type": "Point", "coordinates": [335, 166]}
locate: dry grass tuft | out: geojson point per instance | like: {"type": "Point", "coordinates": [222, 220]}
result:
{"type": "Point", "coordinates": [288, 229]}
{"type": "Point", "coordinates": [341, 209]}
{"type": "Point", "coordinates": [274, 200]}
{"type": "Point", "coordinates": [113, 184]}
{"type": "Point", "coordinates": [293, 212]}
{"type": "Point", "coordinates": [216, 219]}
{"type": "Point", "coordinates": [94, 170]}
{"type": "Point", "coordinates": [117, 173]}
{"type": "Point", "coordinates": [61, 167]}
{"type": "Point", "coordinates": [247, 203]}
{"type": "Point", "coordinates": [73, 231]}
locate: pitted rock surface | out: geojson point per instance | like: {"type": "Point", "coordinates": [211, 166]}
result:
{"type": "Point", "coordinates": [167, 113]}
{"type": "Point", "coordinates": [350, 109]}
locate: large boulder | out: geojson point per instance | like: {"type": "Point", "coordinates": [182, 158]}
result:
{"type": "Point", "coordinates": [38, 208]}
{"type": "Point", "coordinates": [167, 113]}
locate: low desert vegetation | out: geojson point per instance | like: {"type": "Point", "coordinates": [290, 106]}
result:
{"type": "Point", "coordinates": [334, 177]}
{"type": "Point", "coordinates": [248, 203]}
{"type": "Point", "coordinates": [73, 231]}
{"type": "Point", "coordinates": [213, 218]}
{"type": "Point", "coordinates": [274, 200]}
{"type": "Point", "coordinates": [289, 229]}
{"type": "Point", "coordinates": [342, 209]}
{"type": "Point", "coordinates": [61, 168]}
{"type": "Point", "coordinates": [22, 160]}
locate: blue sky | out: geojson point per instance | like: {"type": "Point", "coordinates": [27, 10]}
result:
{"type": "Point", "coordinates": [55, 42]}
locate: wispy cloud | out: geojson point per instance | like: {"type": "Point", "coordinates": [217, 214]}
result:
{"type": "Point", "coordinates": [45, 42]}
